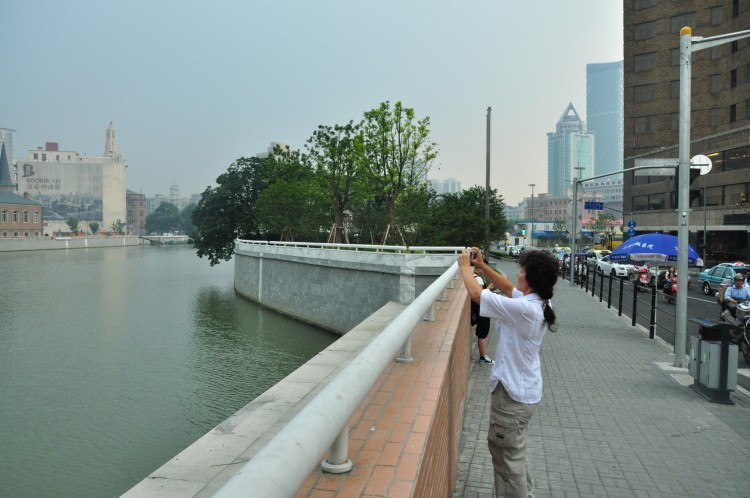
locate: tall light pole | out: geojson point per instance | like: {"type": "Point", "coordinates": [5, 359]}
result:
{"type": "Point", "coordinates": [688, 45]}
{"type": "Point", "coordinates": [487, 191]}
{"type": "Point", "coordinates": [531, 232]}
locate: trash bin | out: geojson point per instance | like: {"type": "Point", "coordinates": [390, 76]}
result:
{"type": "Point", "coordinates": [713, 361]}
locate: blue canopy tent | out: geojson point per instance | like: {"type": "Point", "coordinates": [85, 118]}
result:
{"type": "Point", "coordinates": [653, 247]}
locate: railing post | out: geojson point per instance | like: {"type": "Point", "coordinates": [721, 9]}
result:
{"type": "Point", "coordinates": [620, 299]}
{"type": "Point", "coordinates": [593, 284]}
{"type": "Point", "coordinates": [338, 461]}
{"type": "Point", "coordinates": [601, 287]}
{"type": "Point", "coordinates": [404, 356]}
{"type": "Point", "coordinates": [609, 296]}
{"type": "Point", "coordinates": [652, 325]}
{"type": "Point", "coordinates": [635, 305]}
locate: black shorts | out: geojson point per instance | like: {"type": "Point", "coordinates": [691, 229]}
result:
{"type": "Point", "coordinates": [483, 327]}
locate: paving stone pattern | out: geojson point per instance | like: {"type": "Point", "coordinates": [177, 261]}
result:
{"type": "Point", "coordinates": [616, 419]}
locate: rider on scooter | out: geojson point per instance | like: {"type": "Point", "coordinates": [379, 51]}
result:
{"type": "Point", "coordinates": [734, 295]}
{"type": "Point", "coordinates": [668, 278]}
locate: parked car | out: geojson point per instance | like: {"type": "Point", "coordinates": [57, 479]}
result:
{"type": "Point", "coordinates": [613, 268]}
{"type": "Point", "coordinates": [723, 273]}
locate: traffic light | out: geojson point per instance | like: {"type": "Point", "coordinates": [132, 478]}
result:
{"type": "Point", "coordinates": [523, 231]}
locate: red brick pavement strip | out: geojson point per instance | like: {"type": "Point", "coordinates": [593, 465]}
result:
{"type": "Point", "coordinates": [615, 419]}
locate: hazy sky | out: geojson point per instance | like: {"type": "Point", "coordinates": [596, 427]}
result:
{"type": "Point", "coordinates": [191, 86]}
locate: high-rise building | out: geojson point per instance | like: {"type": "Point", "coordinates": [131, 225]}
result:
{"type": "Point", "coordinates": [604, 115]}
{"type": "Point", "coordinates": [719, 120]}
{"type": "Point", "coordinates": [570, 152]}
{"type": "Point", "coordinates": [70, 185]}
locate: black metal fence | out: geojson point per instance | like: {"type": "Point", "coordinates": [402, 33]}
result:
{"type": "Point", "coordinates": [634, 300]}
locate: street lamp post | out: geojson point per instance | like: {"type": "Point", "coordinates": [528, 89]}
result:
{"type": "Point", "coordinates": [531, 233]}
{"type": "Point", "coordinates": [688, 45]}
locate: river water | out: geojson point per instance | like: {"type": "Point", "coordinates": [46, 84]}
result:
{"type": "Point", "coordinates": [114, 360]}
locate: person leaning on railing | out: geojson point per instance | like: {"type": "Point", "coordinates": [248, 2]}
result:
{"type": "Point", "coordinates": [524, 314]}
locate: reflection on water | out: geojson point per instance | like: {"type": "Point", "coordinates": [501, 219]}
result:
{"type": "Point", "coordinates": [114, 360]}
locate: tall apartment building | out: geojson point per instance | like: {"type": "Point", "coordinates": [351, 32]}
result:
{"type": "Point", "coordinates": [569, 148]}
{"type": "Point", "coordinates": [604, 115]}
{"type": "Point", "coordinates": [447, 186]}
{"type": "Point", "coordinates": [719, 120]}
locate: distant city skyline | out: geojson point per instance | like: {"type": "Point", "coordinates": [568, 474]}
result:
{"type": "Point", "coordinates": [190, 90]}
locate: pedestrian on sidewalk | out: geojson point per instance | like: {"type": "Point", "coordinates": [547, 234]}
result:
{"type": "Point", "coordinates": [481, 323]}
{"type": "Point", "coordinates": [523, 313]}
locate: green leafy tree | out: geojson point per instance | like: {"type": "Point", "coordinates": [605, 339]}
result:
{"type": "Point", "coordinates": [186, 219]}
{"type": "Point", "coordinates": [336, 153]}
{"type": "Point", "coordinates": [118, 226]}
{"type": "Point", "coordinates": [94, 227]}
{"type": "Point", "coordinates": [414, 213]}
{"type": "Point", "coordinates": [294, 210]}
{"type": "Point", "coordinates": [165, 218]}
{"type": "Point", "coordinates": [398, 151]}
{"type": "Point", "coordinates": [459, 219]}
{"type": "Point", "coordinates": [559, 226]}
{"type": "Point", "coordinates": [73, 224]}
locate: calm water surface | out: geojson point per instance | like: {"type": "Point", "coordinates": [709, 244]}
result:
{"type": "Point", "coordinates": [114, 360]}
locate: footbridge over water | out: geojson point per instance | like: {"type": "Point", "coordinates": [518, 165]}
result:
{"type": "Point", "coordinates": [167, 239]}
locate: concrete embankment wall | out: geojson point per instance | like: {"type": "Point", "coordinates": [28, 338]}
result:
{"type": "Point", "coordinates": [8, 245]}
{"type": "Point", "coordinates": [332, 288]}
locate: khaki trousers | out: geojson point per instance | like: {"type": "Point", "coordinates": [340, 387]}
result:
{"type": "Point", "coordinates": [509, 421]}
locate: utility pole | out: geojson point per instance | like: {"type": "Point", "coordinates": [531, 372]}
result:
{"type": "Point", "coordinates": [487, 191]}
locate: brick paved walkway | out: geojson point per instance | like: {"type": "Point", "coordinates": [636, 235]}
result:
{"type": "Point", "coordinates": [616, 419]}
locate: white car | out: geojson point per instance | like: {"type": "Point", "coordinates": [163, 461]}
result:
{"type": "Point", "coordinates": [612, 268]}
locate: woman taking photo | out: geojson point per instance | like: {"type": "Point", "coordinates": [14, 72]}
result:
{"type": "Point", "coordinates": [523, 315]}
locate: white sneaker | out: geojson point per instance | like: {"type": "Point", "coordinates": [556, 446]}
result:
{"type": "Point", "coordinates": [485, 360]}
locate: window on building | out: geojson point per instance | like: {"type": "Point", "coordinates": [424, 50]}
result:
{"type": "Point", "coordinates": [44, 157]}
{"type": "Point", "coordinates": [735, 46]}
{"type": "Point", "coordinates": [733, 193]}
{"type": "Point", "coordinates": [15, 216]}
{"type": "Point", "coordinates": [644, 62]}
{"type": "Point", "coordinates": [714, 117]}
{"type": "Point", "coordinates": [26, 234]}
{"type": "Point", "coordinates": [674, 89]}
{"type": "Point", "coordinates": [714, 196]}
{"type": "Point", "coordinates": [644, 93]}
{"type": "Point", "coordinates": [658, 201]}
{"type": "Point", "coordinates": [644, 31]}
{"type": "Point", "coordinates": [643, 4]}
{"type": "Point", "coordinates": [640, 203]}
{"type": "Point", "coordinates": [716, 13]}
{"type": "Point", "coordinates": [747, 109]}
{"type": "Point", "coordinates": [715, 83]}
{"type": "Point", "coordinates": [735, 8]}
{"type": "Point", "coordinates": [674, 57]}
{"type": "Point", "coordinates": [715, 52]}
{"type": "Point", "coordinates": [674, 121]}
{"type": "Point", "coordinates": [679, 22]}
{"type": "Point", "coordinates": [36, 217]}
{"type": "Point", "coordinates": [25, 216]}
{"type": "Point", "coordinates": [733, 113]}
{"type": "Point", "coordinates": [5, 234]}
{"type": "Point", "coordinates": [733, 78]}
{"type": "Point", "coordinates": [4, 213]}
{"type": "Point", "coordinates": [735, 159]}
{"type": "Point", "coordinates": [36, 156]}
{"type": "Point", "coordinates": [644, 124]}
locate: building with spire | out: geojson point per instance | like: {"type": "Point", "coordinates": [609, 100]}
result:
{"type": "Point", "coordinates": [570, 152]}
{"type": "Point", "coordinates": [68, 184]}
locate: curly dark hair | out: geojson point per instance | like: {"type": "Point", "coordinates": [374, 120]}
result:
{"type": "Point", "coordinates": [541, 274]}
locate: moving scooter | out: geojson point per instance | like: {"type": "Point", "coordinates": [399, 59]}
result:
{"type": "Point", "coordinates": [741, 334]}
{"type": "Point", "coordinates": [670, 289]}
{"type": "Point", "coordinates": [642, 278]}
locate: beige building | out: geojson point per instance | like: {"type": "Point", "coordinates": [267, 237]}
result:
{"type": "Point", "coordinates": [68, 184]}
{"type": "Point", "coordinates": [720, 120]}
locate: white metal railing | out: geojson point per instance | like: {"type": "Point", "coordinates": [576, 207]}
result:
{"type": "Point", "coordinates": [357, 247]}
{"type": "Point", "coordinates": [280, 468]}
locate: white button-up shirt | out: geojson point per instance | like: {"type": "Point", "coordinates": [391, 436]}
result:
{"type": "Point", "coordinates": [521, 328]}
